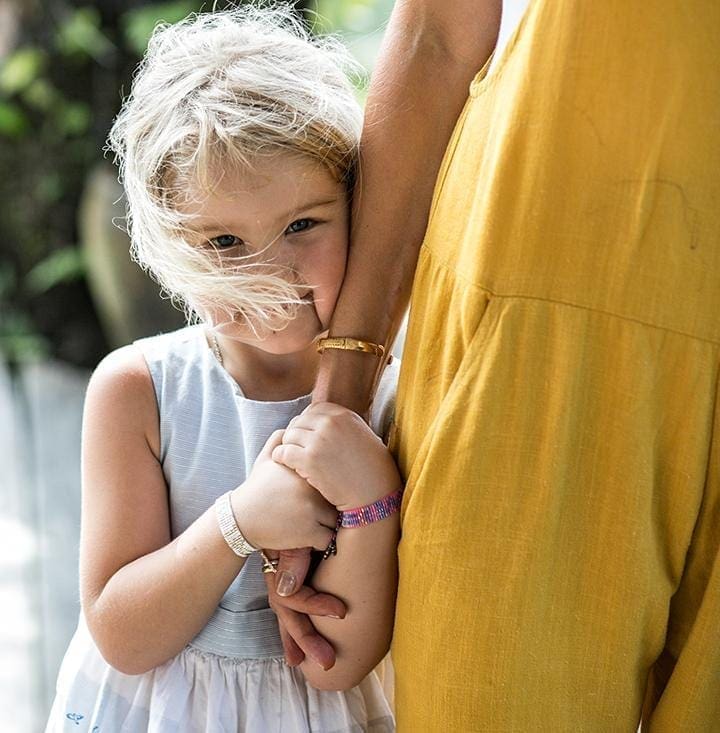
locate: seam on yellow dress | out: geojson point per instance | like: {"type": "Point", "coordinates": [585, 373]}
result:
{"type": "Point", "coordinates": [522, 296]}
{"type": "Point", "coordinates": [447, 158]}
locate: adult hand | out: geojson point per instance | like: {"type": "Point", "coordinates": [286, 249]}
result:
{"type": "Point", "coordinates": [293, 604]}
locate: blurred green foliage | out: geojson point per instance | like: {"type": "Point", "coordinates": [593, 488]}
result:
{"type": "Point", "coordinates": [60, 87]}
{"type": "Point", "coordinates": [138, 24]}
{"type": "Point", "coordinates": [79, 34]}
{"type": "Point", "coordinates": [360, 23]}
{"type": "Point", "coordinates": [21, 69]}
{"type": "Point", "coordinates": [63, 265]}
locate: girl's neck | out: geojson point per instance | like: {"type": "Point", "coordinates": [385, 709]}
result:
{"type": "Point", "coordinates": [268, 377]}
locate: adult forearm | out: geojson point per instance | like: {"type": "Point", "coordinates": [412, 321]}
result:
{"type": "Point", "coordinates": [152, 607]}
{"type": "Point", "coordinates": [363, 575]}
{"type": "Point", "coordinates": [416, 94]}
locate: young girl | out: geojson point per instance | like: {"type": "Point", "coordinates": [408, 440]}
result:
{"type": "Point", "coordinates": [237, 148]}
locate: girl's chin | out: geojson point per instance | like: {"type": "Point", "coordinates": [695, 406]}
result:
{"type": "Point", "coordinates": [278, 342]}
{"type": "Point", "coordinates": [298, 336]}
{"type": "Point", "coordinates": [283, 347]}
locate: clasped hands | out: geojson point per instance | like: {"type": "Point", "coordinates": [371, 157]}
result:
{"type": "Point", "coordinates": [326, 460]}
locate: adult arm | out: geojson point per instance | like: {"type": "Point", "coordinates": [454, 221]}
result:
{"type": "Point", "coordinates": [431, 51]}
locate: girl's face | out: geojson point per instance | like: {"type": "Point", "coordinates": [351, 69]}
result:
{"type": "Point", "coordinates": [290, 211]}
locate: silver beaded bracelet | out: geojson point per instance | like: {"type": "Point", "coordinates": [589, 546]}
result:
{"type": "Point", "coordinates": [229, 528]}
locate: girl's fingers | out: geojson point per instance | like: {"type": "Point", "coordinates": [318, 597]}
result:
{"type": "Point", "coordinates": [304, 421]}
{"type": "Point", "coordinates": [311, 415]}
{"type": "Point", "coordinates": [324, 408]}
{"type": "Point", "coordinates": [292, 456]}
{"type": "Point", "coordinates": [324, 535]}
{"type": "Point", "coordinates": [297, 436]}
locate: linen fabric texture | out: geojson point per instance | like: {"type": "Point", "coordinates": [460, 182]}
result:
{"type": "Point", "coordinates": [557, 419]}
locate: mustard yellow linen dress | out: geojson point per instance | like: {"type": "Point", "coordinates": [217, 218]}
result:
{"type": "Point", "coordinates": [558, 420]}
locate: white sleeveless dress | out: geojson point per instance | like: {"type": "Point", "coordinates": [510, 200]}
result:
{"type": "Point", "coordinates": [232, 676]}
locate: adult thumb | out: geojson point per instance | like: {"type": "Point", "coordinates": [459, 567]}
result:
{"type": "Point", "coordinates": [293, 566]}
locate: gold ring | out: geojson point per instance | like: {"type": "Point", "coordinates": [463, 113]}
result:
{"type": "Point", "coordinates": [268, 565]}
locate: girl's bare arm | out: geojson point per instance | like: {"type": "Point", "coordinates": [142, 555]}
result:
{"type": "Point", "coordinates": [144, 595]}
{"type": "Point", "coordinates": [364, 575]}
{"type": "Point", "coordinates": [430, 53]}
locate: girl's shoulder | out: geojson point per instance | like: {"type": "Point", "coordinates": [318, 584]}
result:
{"type": "Point", "coordinates": [132, 362]}
{"type": "Point", "coordinates": [121, 391]}
{"type": "Point", "coordinates": [130, 368]}
{"type": "Point", "coordinates": [124, 385]}
{"type": "Point", "coordinates": [163, 346]}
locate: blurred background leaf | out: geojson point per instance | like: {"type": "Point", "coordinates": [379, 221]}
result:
{"type": "Point", "coordinates": [80, 34]}
{"type": "Point", "coordinates": [62, 266]}
{"type": "Point", "coordinates": [19, 342]}
{"type": "Point", "coordinates": [13, 121]}
{"type": "Point", "coordinates": [20, 69]}
{"type": "Point", "coordinates": [138, 24]}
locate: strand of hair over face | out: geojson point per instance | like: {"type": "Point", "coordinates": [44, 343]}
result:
{"type": "Point", "coordinates": [219, 91]}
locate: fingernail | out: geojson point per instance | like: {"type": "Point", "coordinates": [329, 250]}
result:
{"type": "Point", "coordinates": [285, 583]}
{"type": "Point", "coordinates": [319, 663]}
{"type": "Point", "coordinates": [332, 615]}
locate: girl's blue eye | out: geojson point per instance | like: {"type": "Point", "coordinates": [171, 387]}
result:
{"type": "Point", "coordinates": [225, 240]}
{"type": "Point", "coordinates": [300, 225]}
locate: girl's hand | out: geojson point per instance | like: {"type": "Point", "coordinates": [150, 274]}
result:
{"type": "Point", "coordinates": [277, 508]}
{"type": "Point", "coordinates": [337, 453]}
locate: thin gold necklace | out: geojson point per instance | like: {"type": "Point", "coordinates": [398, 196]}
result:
{"type": "Point", "coordinates": [216, 348]}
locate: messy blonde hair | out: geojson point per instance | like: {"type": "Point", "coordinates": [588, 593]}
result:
{"type": "Point", "coordinates": [219, 90]}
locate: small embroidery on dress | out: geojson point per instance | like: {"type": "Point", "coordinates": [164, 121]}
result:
{"type": "Point", "coordinates": [75, 717]}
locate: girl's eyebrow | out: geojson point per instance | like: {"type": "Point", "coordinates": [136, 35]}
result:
{"type": "Point", "coordinates": [218, 226]}
{"type": "Point", "coordinates": [309, 205]}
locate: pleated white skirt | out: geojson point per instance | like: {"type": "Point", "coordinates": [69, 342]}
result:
{"type": "Point", "coordinates": [201, 692]}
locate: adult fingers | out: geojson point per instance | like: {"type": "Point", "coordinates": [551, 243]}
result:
{"type": "Point", "coordinates": [308, 601]}
{"type": "Point", "coordinates": [292, 569]}
{"type": "Point", "coordinates": [299, 627]}
{"type": "Point", "coordinates": [294, 655]}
